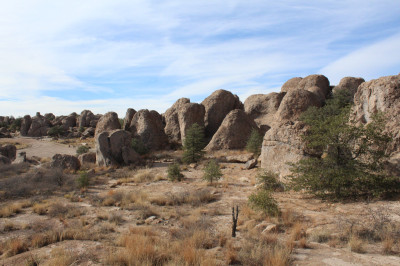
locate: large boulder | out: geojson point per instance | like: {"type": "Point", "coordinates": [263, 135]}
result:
{"type": "Point", "coordinates": [128, 118]}
{"type": "Point", "coordinates": [149, 128]}
{"type": "Point", "coordinates": [69, 121]}
{"type": "Point", "coordinates": [85, 118]}
{"type": "Point", "coordinates": [291, 84]}
{"type": "Point", "coordinates": [65, 161]}
{"type": "Point", "coordinates": [349, 84]}
{"type": "Point", "coordinates": [49, 116]}
{"type": "Point", "coordinates": [9, 151]}
{"type": "Point", "coordinates": [4, 160]}
{"type": "Point", "coordinates": [282, 145]}
{"type": "Point", "coordinates": [217, 106]}
{"type": "Point", "coordinates": [381, 95]}
{"type": "Point", "coordinates": [188, 115]}
{"type": "Point", "coordinates": [87, 158]}
{"type": "Point", "coordinates": [311, 81]}
{"type": "Point", "coordinates": [262, 107]}
{"type": "Point", "coordinates": [108, 122]}
{"type": "Point", "coordinates": [172, 128]}
{"type": "Point", "coordinates": [25, 125]}
{"type": "Point", "coordinates": [39, 126]}
{"type": "Point", "coordinates": [234, 132]}
{"type": "Point", "coordinates": [114, 148]}
{"type": "Point", "coordinates": [294, 103]}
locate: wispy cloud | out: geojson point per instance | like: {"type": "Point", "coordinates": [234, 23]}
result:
{"type": "Point", "coordinates": [146, 54]}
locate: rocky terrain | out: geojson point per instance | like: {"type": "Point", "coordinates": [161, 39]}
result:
{"type": "Point", "coordinates": [129, 213]}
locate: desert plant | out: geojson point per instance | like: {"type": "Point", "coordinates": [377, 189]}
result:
{"type": "Point", "coordinates": [212, 171]}
{"type": "Point", "coordinates": [193, 144]}
{"type": "Point", "coordinates": [83, 180]}
{"type": "Point", "coordinates": [254, 142]}
{"type": "Point", "coordinates": [262, 201]}
{"type": "Point", "coordinates": [82, 149]}
{"type": "Point", "coordinates": [138, 145]}
{"type": "Point", "coordinates": [56, 131]}
{"type": "Point", "coordinates": [81, 129]}
{"type": "Point", "coordinates": [268, 180]}
{"type": "Point", "coordinates": [174, 172]}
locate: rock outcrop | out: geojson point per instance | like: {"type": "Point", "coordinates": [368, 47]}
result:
{"type": "Point", "coordinates": [65, 161]}
{"type": "Point", "coordinates": [217, 106]}
{"type": "Point", "coordinates": [25, 125]}
{"type": "Point", "coordinates": [114, 148]}
{"type": "Point", "coordinates": [128, 118]}
{"type": "Point", "coordinates": [108, 122]}
{"type": "Point", "coordinates": [4, 160]}
{"type": "Point", "coordinates": [148, 126]}
{"type": "Point", "coordinates": [171, 116]}
{"type": "Point", "coordinates": [350, 84]}
{"type": "Point", "coordinates": [69, 121]}
{"type": "Point", "coordinates": [291, 84]}
{"type": "Point", "coordinates": [262, 107]}
{"type": "Point", "coordinates": [9, 151]}
{"type": "Point", "coordinates": [85, 118]}
{"type": "Point", "coordinates": [234, 131]}
{"type": "Point", "coordinates": [87, 158]}
{"type": "Point", "coordinates": [381, 95]}
{"type": "Point", "coordinates": [39, 126]}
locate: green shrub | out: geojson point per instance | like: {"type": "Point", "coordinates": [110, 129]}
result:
{"type": "Point", "coordinates": [212, 171]}
{"type": "Point", "coordinates": [56, 131]}
{"type": "Point", "coordinates": [82, 149]}
{"type": "Point", "coordinates": [193, 144]}
{"type": "Point", "coordinates": [262, 201]}
{"type": "Point", "coordinates": [174, 172]}
{"type": "Point", "coordinates": [83, 180]}
{"type": "Point", "coordinates": [254, 142]}
{"type": "Point", "coordinates": [138, 145]}
{"type": "Point", "coordinates": [268, 180]}
{"type": "Point", "coordinates": [81, 129]}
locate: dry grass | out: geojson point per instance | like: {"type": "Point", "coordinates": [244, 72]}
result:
{"type": "Point", "coordinates": [116, 218]}
{"type": "Point", "coordinates": [278, 256]}
{"type": "Point", "coordinates": [10, 210]}
{"type": "Point", "coordinates": [356, 244]}
{"type": "Point", "coordinates": [16, 246]}
{"type": "Point", "coordinates": [9, 226]}
{"type": "Point", "coordinates": [144, 175]}
{"type": "Point", "coordinates": [40, 208]}
{"type": "Point", "coordinates": [61, 257]}
{"type": "Point", "coordinates": [298, 231]}
{"type": "Point", "coordinates": [387, 245]}
{"type": "Point", "coordinates": [320, 236]}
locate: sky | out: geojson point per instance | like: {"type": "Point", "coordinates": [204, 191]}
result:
{"type": "Point", "coordinates": [110, 55]}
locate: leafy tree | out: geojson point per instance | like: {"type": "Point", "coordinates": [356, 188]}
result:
{"type": "Point", "coordinates": [193, 144]}
{"type": "Point", "coordinates": [174, 172]}
{"type": "Point", "coordinates": [16, 124]}
{"type": "Point", "coordinates": [212, 171]}
{"type": "Point", "coordinates": [346, 160]}
{"type": "Point", "coordinates": [254, 142]}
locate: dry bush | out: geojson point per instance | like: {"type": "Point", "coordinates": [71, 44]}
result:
{"type": "Point", "coordinates": [40, 208]}
{"type": "Point", "coordinates": [387, 245]}
{"type": "Point", "coordinates": [116, 218]}
{"type": "Point", "coordinates": [320, 236]}
{"type": "Point", "coordinates": [298, 231]}
{"type": "Point", "coordinates": [9, 226]}
{"type": "Point", "coordinates": [144, 210]}
{"type": "Point", "coordinates": [61, 210]}
{"type": "Point", "coordinates": [16, 246]}
{"type": "Point", "coordinates": [144, 175]}
{"type": "Point", "coordinates": [102, 215]}
{"type": "Point", "coordinates": [9, 170]}
{"type": "Point", "coordinates": [61, 257]}
{"type": "Point", "coordinates": [10, 209]}
{"type": "Point", "coordinates": [356, 244]}
{"type": "Point", "coordinates": [231, 254]}
{"type": "Point", "coordinates": [278, 256]}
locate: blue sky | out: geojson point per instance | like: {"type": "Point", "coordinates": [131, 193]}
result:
{"type": "Point", "coordinates": [65, 56]}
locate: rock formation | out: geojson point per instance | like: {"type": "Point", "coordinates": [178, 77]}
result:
{"type": "Point", "coordinates": [234, 131]}
{"type": "Point", "coordinates": [87, 158]}
{"type": "Point", "coordinates": [39, 126]}
{"type": "Point", "coordinates": [85, 118]}
{"type": "Point", "coordinates": [65, 161]}
{"type": "Point", "coordinates": [217, 106]}
{"type": "Point", "coordinates": [114, 148]}
{"type": "Point", "coordinates": [350, 84]}
{"type": "Point", "coordinates": [9, 151]}
{"type": "Point", "coordinates": [25, 125]}
{"type": "Point", "coordinates": [128, 118]}
{"type": "Point", "coordinates": [108, 122]}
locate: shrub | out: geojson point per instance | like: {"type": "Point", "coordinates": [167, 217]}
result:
{"type": "Point", "coordinates": [193, 144]}
{"type": "Point", "coordinates": [174, 172]}
{"type": "Point", "coordinates": [263, 201]}
{"type": "Point", "coordinates": [138, 145]}
{"type": "Point", "coordinates": [56, 131]}
{"type": "Point", "coordinates": [212, 171]}
{"type": "Point", "coordinates": [254, 142]}
{"type": "Point", "coordinates": [83, 180]}
{"type": "Point", "coordinates": [81, 129]}
{"type": "Point", "coordinates": [16, 124]}
{"type": "Point", "coordinates": [268, 180]}
{"type": "Point", "coordinates": [82, 149]}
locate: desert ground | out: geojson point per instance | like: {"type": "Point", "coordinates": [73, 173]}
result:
{"type": "Point", "coordinates": [136, 216]}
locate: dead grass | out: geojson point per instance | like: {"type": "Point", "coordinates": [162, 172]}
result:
{"type": "Point", "coordinates": [10, 210]}
{"type": "Point", "coordinates": [144, 175]}
{"type": "Point", "coordinates": [61, 257]}
{"type": "Point", "coordinates": [16, 246]}
{"type": "Point", "coordinates": [40, 208]}
{"type": "Point", "coordinates": [387, 245]}
{"type": "Point", "coordinates": [356, 244]}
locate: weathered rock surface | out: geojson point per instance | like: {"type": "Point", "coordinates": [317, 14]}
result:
{"type": "Point", "coordinates": [89, 132]}
{"type": "Point", "coordinates": [65, 161]}
{"type": "Point", "coordinates": [108, 122]}
{"type": "Point", "coordinates": [350, 84]}
{"type": "Point", "coordinates": [250, 164]}
{"type": "Point", "coordinates": [262, 107]}
{"type": "Point", "coordinates": [25, 125]}
{"type": "Point", "coordinates": [21, 157]}
{"type": "Point", "coordinates": [69, 121]}
{"type": "Point", "coordinates": [148, 126]}
{"type": "Point", "coordinates": [39, 126]}
{"type": "Point", "coordinates": [128, 118]}
{"type": "Point", "coordinates": [217, 106]}
{"type": "Point", "coordinates": [381, 95]}
{"type": "Point", "coordinates": [85, 118]}
{"type": "Point", "coordinates": [9, 151]}
{"type": "Point", "coordinates": [240, 158]}
{"type": "Point", "coordinates": [282, 145]}
{"type": "Point", "coordinates": [172, 128]}
{"type": "Point", "coordinates": [87, 158]}
{"type": "Point", "coordinates": [311, 81]}
{"type": "Point", "coordinates": [291, 84]}
{"type": "Point", "coordinates": [4, 160]}
{"type": "Point", "coordinates": [234, 131]}
{"type": "Point", "coordinates": [49, 116]}
{"type": "Point", "coordinates": [189, 114]}
{"type": "Point", "coordinates": [294, 103]}
{"type": "Point", "coordinates": [114, 148]}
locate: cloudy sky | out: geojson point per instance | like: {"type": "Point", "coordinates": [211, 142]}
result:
{"type": "Point", "coordinates": [109, 55]}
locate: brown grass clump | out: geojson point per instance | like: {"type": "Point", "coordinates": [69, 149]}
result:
{"type": "Point", "coordinates": [144, 175]}
{"type": "Point", "coordinates": [356, 244]}
{"type": "Point", "coordinates": [40, 208]}
{"type": "Point", "coordinates": [16, 246]}
{"type": "Point", "coordinates": [9, 226]}
{"type": "Point", "coordinates": [61, 257]}
{"type": "Point", "coordinates": [387, 245]}
{"type": "Point", "coordinates": [10, 210]}
{"type": "Point", "coordinates": [278, 256]}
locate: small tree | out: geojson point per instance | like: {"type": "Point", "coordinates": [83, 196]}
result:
{"type": "Point", "coordinates": [83, 180]}
{"type": "Point", "coordinates": [212, 171]}
{"type": "Point", "coordinates": [263, 201]}
{"type": "Point", "coordinates": [254, 142]}
{"type": "Point", "coordinates": [193, 144]}
{"type": "Point", "coordinates": [174, 172]}
{"type": "Point", "coordinates": [81, 150]}
{"type": "Point", "coordinates": [56, 131]}
{"type": "Point", "coordinates": [268, 180]}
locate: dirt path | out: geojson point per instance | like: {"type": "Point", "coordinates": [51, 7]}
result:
{"type": "Point", "coordinates": [42, 148]}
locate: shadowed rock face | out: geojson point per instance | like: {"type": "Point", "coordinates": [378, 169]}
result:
{"type": "Point", "coordinates": [350, 84]}
{"type": "Point", "coordinates": [108, 122]}
{"type": "Point", "coordinates": [85, 118]}
{"type": "Point", "coordinates": [217, 106]}
{"type": "Point", "coordinates": [234, 131]}
{"type": "Point", "coordinates": [128, 118]}
{"type": "Point", "coordinates": [65, 161]}
{"type": "Point", "coordinates": [26, 125]}
{"type": "Point", "coordinates": [114, 148]}
{"type": "Point", "coordinates": [9, 151]}
{"type": "Point", "coordinates": [381, 95]}
{"type": "Point", "coordinates": [148, 126]}
{"type": "Point", "coordinates": [39, 126]}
